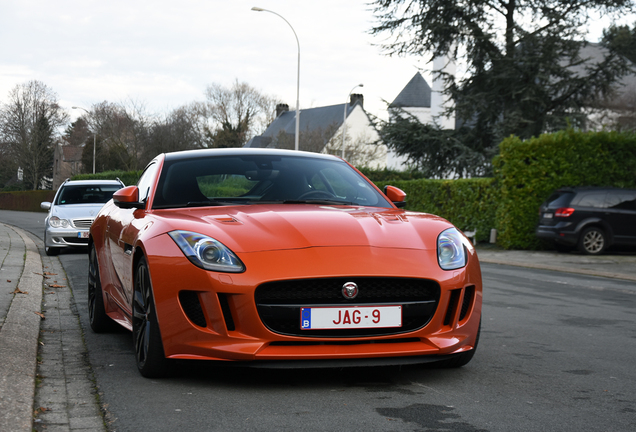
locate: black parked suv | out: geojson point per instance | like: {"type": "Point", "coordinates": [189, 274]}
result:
{"type": "Point", "coordinates": [591, 219]}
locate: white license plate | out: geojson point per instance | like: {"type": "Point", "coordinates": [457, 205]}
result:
{"type": "Point", "coordinates": [319, 318]}
{"type": "Point", "coordinates": [547, 215]}
{"type": "Point", "coordinates": [83, 234]}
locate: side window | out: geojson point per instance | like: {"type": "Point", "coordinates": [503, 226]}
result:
{"type": "Point", "coordinates": [595, 199]}
{"type": "Point", "coordinates": [622, 200]}
{"type": "Point", "coordinates": [146, 181]}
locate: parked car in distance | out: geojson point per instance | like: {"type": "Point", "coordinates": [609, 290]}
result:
{"type": "Point", "coordinates": [277, 258]}
{"type": "Point", "coordinates": [588, 218]}
{"type": "Point", "coordinates": [74, 207]}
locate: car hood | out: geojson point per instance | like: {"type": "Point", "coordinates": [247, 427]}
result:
{"type": "Point", "coordinates": [280, 227]}
{"type": "Point", "coordinates": [76, 211]}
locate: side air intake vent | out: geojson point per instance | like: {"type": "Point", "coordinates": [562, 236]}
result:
{"type": "Point", "coordinates": [192, 307]}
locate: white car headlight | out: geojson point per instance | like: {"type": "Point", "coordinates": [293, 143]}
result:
{"type": "Point", "coordinates": [206, 252]}
{"type": "Point", "coordinates": [451, 254]}
{"type": "Point", "coordinates": [56, 222]}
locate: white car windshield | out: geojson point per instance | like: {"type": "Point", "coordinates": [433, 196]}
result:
{"type": "Point", "coordinates": [86, 194]}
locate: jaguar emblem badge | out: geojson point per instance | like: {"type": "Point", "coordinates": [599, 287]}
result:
{"type": "Point", "coordinates": [350, 290]}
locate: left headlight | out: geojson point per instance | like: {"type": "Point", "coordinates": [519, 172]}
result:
{"type": "Point", "coordinates": [206, 252]}
{"type": "Point", "coordinates": [56, 222]}
{"type": "Point", "coordinates": [451, 254]}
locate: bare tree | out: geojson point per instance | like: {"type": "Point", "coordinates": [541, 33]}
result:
{"type": "Point", "coordinates": [122, 133]}
{"type": "Point", "coordinates": [181, 129]}
{"type": "Point", "coordinates": [237, 113]}
{"type": "Point", "coordinates": [362, 152]}
{"type": "Point", "coordinates": [29, 123]}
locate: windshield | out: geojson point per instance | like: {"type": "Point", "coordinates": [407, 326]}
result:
{"type": "Point", "coordinates": [253, 179]}
{"type": "Point", "coordinates": [86, 194]}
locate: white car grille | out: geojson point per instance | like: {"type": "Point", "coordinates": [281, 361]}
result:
{"type": "Point", "coordinates": [82, 223]}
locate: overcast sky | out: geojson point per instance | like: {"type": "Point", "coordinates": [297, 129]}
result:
{"type": "Point", "coordinates": [165, 53]}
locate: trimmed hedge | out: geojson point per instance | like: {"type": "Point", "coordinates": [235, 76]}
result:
{"type": "Point", "coordinates": [528, 171]}
{"type": "Point", "coordinates": [470, 204]}
{"type": "Point", "coordinates": [25, 200]}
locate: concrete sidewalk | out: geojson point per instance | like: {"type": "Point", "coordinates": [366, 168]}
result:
{"type": "Point", "coordinates": [41, 343]}
{"type": "Point", "coordinates": [614, 265]}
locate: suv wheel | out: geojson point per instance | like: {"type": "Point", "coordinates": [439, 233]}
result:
{"type": "Point", "coordinates": [592, 241]}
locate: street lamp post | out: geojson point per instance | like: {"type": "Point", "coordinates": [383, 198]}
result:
{"type": "Point", "coordinates": [94, 136]}
{"type": "Point", "coordinates": [344, 121]}
{"type": "Point", "coordinates": [296, 140]}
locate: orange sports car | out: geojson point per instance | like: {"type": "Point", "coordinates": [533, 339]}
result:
{"type": "Point", "coordinates": [278, 258]}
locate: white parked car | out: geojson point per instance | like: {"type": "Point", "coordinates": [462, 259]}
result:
{"type": "Point", "coordinates": [73, 210]}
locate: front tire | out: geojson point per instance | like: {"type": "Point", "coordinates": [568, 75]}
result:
{"type": "Point", "coordinates": [592, 241]}
{"type": "Point", "coordinates": [97, 318]}
{"type": "Point", "coordinates": [149, 354]}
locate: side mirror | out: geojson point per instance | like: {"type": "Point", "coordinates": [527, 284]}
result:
{"type": "Point", "coordinates": [127, 198]}
{"type": "Point", "coordinates": [395, 195]}
{"type": "Point", "coordinates": [45, 205]}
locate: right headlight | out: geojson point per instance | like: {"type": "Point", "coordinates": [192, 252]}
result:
{"type": "Point", "coordinates": [206, 252]}
{"type": "Point", "coordinates": [56, 222]}
{"type": "Point", "coordinates": [451, 254]}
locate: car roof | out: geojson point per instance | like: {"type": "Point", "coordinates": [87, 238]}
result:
{"type": "Point", "coordinates": [592, 189]}
{"type": "Point", "coordinates": [91, 182]}
{"type": "Point", "coordinates": [187, 154]}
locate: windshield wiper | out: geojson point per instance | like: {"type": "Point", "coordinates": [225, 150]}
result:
{"type": "Point", "coordinates": [318, 201]}
{"type": "Point", "coordinates": [204, 203]}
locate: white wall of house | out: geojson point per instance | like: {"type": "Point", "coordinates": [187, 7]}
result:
{"type": "Point", "coordinates": [362, 134]}
{"type": "Point", "coordinates": [424, 115]}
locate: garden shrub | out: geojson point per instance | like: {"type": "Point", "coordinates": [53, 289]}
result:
{"type": "Point", "coordinates": [528, 171]}
{"type": "Point", "coordinates": [469, 204]}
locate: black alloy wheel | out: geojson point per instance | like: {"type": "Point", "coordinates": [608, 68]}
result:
{"type": "Point", "coordinates": [592, 241]}
{"type": "Point", "coordinates": [99, 321]}
{"type": "Point", "coordinates": [149, 354]}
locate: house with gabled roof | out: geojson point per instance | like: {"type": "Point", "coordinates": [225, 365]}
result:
{"type": "Point", "coordinates": [415, 98]}
{"type": "Point", "coordinates": [322, 129]}
{"type": "Point", "coordinates": [67, 162]}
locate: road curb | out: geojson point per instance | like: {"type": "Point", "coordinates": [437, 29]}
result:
{"type": "Point", "coordinates": [19, 343]}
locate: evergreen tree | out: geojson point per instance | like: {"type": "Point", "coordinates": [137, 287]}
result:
{"type": "Point", "coordinates": [524, 70]}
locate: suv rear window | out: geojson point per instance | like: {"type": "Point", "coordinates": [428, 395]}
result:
{"type": "Point", "coordinates": [559, 199]}
{"type": "Point", "coordinates": [591, 199]}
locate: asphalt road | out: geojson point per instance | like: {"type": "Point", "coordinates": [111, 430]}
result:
{"type": "Point", "coordinates": [556, 354]}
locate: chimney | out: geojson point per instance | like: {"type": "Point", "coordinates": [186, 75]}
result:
{"type": "Point", "coordinates": [356, 97]}
{"type": "Point", "coordinates": [281, 108]}
{"type": "Point", "coordinates": [440, 101]}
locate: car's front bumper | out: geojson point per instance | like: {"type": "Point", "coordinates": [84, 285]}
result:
{"type": "Point", "coordinates": [66, 237]}
{"type": "Point", "coordinates": [232, 328]}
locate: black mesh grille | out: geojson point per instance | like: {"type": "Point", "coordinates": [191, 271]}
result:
{"type": "Point", "coordinates": [227, 312]}
{"type": "Point", "coordinates": [469, 295]}
{"type": "Point", "coordinates": [75, 240]}
{"type": "Point", "coordinates": [192, 307]}
{"type": "Point", "coordinates": [279, 303]}
{"type": "Point", "coordinates": [452, 306]}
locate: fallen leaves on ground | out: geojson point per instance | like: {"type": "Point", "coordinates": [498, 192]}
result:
{"type": "Point", "coordinates": [40, 314]}
{"type": "Point", "coordinates": [40, 410]}
{"type": "Point", "coordinates": [19, 291]}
